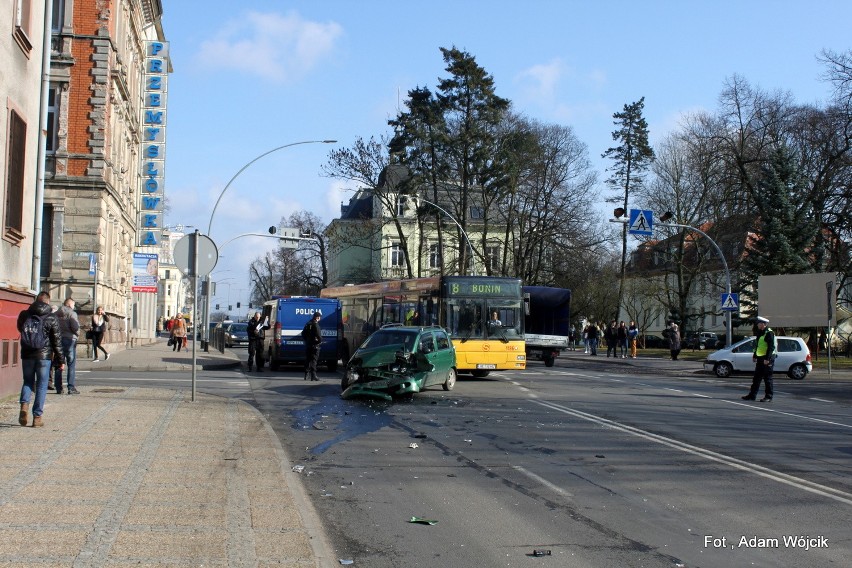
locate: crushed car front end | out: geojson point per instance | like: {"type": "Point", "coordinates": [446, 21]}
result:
{"type": "Point", "coordinates": [372, 375]}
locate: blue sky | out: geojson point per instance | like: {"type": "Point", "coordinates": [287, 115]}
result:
{"type": "Point", "coordinates": [254, 75]}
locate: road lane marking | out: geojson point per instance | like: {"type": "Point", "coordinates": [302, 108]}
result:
{"type": "Point", "coordinates": [763, 408]}
{"type": "Point", "coordinates": [835, 494]}
{"type": "Point", "coordinates": [821, 400]}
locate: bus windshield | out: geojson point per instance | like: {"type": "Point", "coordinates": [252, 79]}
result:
{"type": "Point", "coordinates": [472, 318]}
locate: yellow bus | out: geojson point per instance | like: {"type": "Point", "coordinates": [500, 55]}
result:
{"type": "Point", "coordinates": [483, 315]}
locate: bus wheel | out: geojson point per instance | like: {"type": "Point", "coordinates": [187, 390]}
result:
{"type": "Point", "coordinates": [548, 361]}
{"type": "Point", "coordinates": [479, 373]}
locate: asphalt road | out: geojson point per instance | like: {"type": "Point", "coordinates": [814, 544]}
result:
{"type": "Point", "coordinates": [596, 466]}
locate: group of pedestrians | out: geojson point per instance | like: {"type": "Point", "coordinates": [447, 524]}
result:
{"type": "Point", "coordinates": [619, 337]}
{"type": "Point", "coordinates": [49, 352]}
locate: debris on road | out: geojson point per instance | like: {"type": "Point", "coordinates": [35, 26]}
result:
{"type": "Point", "coordinates": [298, 468]}
{"type": "Point", "coordinates": [413, 445]}
{"type": "Point", "coordinates": [422, 521]}
{"type": "Point", "coordinates": [540, 552]}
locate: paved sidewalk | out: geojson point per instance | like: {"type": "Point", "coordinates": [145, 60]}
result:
{"type": "Point", "coordinates": [160, 357]}
{"type": "Point", "coordinates": [137, 476]}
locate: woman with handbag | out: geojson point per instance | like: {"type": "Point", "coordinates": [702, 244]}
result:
{"type": "Point", "coordinates": [99, 321]}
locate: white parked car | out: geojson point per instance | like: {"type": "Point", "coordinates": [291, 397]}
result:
{"type": "Point", "coordinates": [794, 358]}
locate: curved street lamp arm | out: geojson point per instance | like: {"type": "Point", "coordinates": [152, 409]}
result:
{"type": "Point", "coordinates": [210, 224]}
{"type": "Point", "coordinates": [453, 219]}
{"type": "Point", "coordinates": [728, 337]}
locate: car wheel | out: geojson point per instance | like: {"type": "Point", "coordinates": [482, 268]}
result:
{"type": "Point", "coordinates": [479, 373]}
{"type": "Point", "coordinates": [344, 382]}
{"type": "Point", "coordinates": [273, 365]}
{"type": "Point", "coordinates": [797, 372]}
{"type": "Point", "coordinates": [723, 369]}
{"type": "Point", "coordinates": [332, 366]}
{"type": "Point", "coordinates": [451, 380]}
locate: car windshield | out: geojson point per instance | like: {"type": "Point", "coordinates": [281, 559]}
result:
{"type": "Point", "coordinates": [385, 337]}
{"type": "Point", "coordinates": [238, 328]}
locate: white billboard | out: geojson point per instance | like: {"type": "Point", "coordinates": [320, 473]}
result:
{"type": "Point", "coordinates": [798, 300]}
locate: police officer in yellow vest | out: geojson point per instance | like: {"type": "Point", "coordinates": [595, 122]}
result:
{"type": "Point", "coordinates": [764, 361]}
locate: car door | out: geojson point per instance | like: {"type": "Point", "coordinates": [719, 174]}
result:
{"type": "Point", "coordinates": [741, 356]}
{"type": "Point", "coordinates": [426, 349]}
{"type": "Point", "coordinates": [788, 353]}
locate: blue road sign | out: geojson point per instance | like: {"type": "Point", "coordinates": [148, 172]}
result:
{"type": "Point", "coordinates": [730, 302]}
{"type": "Point", "coordinates": [641, 222]}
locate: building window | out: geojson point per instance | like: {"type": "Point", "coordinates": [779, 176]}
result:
{"type": "Point", "coordinates": [23, 17]}
{"type": "Point", "coordinates": [47, 244]}
{"type": "Point", "coordinates": [434, 256]}
{"type": "Point", "coordinates": [492, 258]}
{"type": "Point", "coordinates": [477, 212]}
{"type": "Point", "coordinates": [15, 164]}
{"type": "Point", "coordinates": [397, 255]}
{"type": "Point", "coordinates": [402, 205]}
{"type": "Point", "coordinates": [58, 16]}
{"type": "Point", "coordinates": [52, 117]}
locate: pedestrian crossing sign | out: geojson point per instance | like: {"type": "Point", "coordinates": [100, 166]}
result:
{"type": "Point", "coordinates": [730, 302]}
{"type": "Point", "coordinates": [641, 222]}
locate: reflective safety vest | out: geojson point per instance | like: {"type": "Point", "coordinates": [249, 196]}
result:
{"type": "Point", "coordinates": [762, 346]}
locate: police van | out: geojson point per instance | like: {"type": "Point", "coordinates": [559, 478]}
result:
{"type": "Point", "coordinates": [283, 343]}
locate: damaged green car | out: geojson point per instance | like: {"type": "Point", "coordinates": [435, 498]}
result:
{"type": "Point", "coordinates": [398, 360]}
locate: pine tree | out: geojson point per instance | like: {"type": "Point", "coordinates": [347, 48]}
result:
{"type": "Point", "coordinates": [632, 158]}
{"type": "Point", "coordinates": [785, 231]}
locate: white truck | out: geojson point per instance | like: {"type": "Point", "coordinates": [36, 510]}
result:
{"type": "Point", "coordinates": [547, 322]}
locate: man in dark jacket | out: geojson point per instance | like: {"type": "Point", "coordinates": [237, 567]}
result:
{"type": "Point", "coordinates": [312, 335]}
{"type": "Point", "coordinates": [36, 362]}
{"type": "Point", "coordinates": [69, 326]}
{"type": "Point", "coordinates": [255, 330]}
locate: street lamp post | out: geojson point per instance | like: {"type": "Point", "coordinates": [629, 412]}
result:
{"type": "Point", "coordinates": [663, 222]}
{"type": "Point", "coordinates": [417, 199]}
{"type": "Point", "coordinates": [206, 335]}
{"type": "Point", "coordinates": [620, 212]}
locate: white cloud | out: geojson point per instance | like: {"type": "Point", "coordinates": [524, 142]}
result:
{"type": "Point", "coordinates": [273, 46]}
{"type": "Point", "coordinates": [334, 196]}
{"type": "Point", "coordinates": [540, 81]}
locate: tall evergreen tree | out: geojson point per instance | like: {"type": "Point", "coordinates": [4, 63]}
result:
{"type": "Point", "coordinates": [632, 157]}
{"type": "Point", "coordinates": [785, 231]}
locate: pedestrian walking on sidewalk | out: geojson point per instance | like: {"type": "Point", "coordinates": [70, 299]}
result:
{"type": "Point", "coordinates": [178, 333]}
{"type": "Point", "coordinates": [611, 338]}
{"type": "Point", "coordinates": [312, 336]}
{"type": "Point", "coordinates": [633, 337]}
{"type": "Point", "coordinates": [99, 321]}
{"type": "Point", "coordinates": [256, 334]}
{"type": "Point", "coordinates": [40, 343]}
{"type": "Point", "coordinates": [673, 335]}
{"type": "Point", "coordinates": [69, 327]}
{"type": "Point", "coordinates": [622, 339]}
